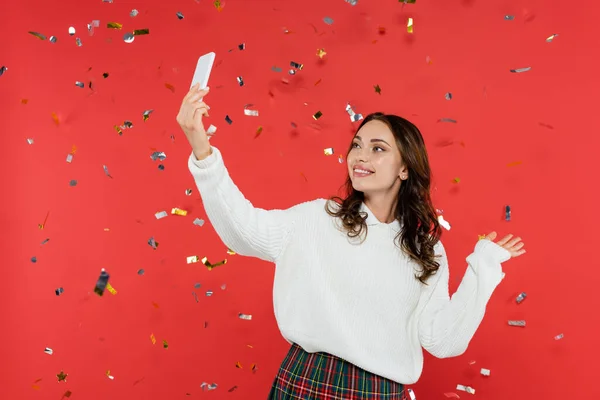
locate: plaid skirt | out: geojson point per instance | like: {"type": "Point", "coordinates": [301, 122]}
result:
{"type": "Point", "coordinates": [321, 376]}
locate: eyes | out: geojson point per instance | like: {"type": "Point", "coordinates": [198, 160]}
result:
{"type": "Point", "coordinates": [355, 145]}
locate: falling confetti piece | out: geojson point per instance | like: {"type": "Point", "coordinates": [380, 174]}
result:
{"type": "Point", "coordinates": [158, 155]}
{"type": "Point", "coordinates": [456, 180]}
{"type": "Point", "coordinates": [238, 365]}
{"type": "Point", "coordinates": [105, 168]}
{"type": "Point", "coordinates": [114, 25]}
{"type": "Point", "coordinates": [519, 70]}
{"type": "Point", "coordinates": [128, 37]}
{"type": "Point", "coordinates": [443, 222]}
{"type": "Point", "coordinates": [218, 5]}
{"type": "Point", "coordinates": [78, 42]}
{"type": "Point", "coordinates": [317, 115]}
{"type": "Point", "coordinates": [296, 65]}
{"type": "Point", "coordinates": [411, 394]}
{"type": "Point", "coordinates": [101, 282]}
{"type": "Point", "coordinates": [92, 25]}
{"type": "Point", "coordinates": [448, 96]}
{"type": "Point", "coordinates": [232, 389]}
{"type": "Point", "coordinates": [195, 296]}
{"type": "Point", "coordinates": [211, 266]}
{"type": "Point", "coordinates": [198, 222]}
{"type": "Point", "coordinates": [161, 214]}
{"type": "Point", "coordinates": [409, 25]}
{"type": "Point", "coordinates": [550, 38]}
{"type": "Point", "coordinates": [453, 121]}
{"type": "Point", "coordinates": [276, 69]}
{"type": "Point", "coordinates": [38, 35]}
{"type": "Point", "coordinates": [211, 131]}
{"type": "Point", "coordinates": [55, 118]}
{"type": "Point", "coordinates": [559, 336]}
{"type": "Point", "coordinates": [48, 351]}
{"type": "Point", "coordinates": [230, 252]}
{"type": "Point", "coordinates": [153, 243]}
{"type": "Point", "coordinates": [209, 293]}
{"type": "Point", "coordinates": [353, 115]}
{"type": "Point", "coordinates": [59, 291]}
{"type": "Point", "coordinates": [485, 372]}
{"type": "Point", "coordinates": [228, 120]}
{"type": "Point", "coordinates": [139, 32]}
{"type": "Point", "coordinates": [352, 2]}
{"type": "Point", "coordinates": [34, 259]}
{"type": "Point", "coordinates": [522, 296]}
{"type": "Point", "coordinates": [321, 53]}
{"type": "Point", "coordinates": [507, 213]}
{"type": "Point", "coordinates": [246, 317]}
{"type": "Point", "coordinates": [141, 272]}
{"type": "Point", "coordinates": [249, 112]}
{"type": "Point", "coordinates": [240, 81]}
{"type": "Point", "coordinates": [73, 182]}
{"type": "Point", "coordinates": [152, 338]}
{"type": "Point", "coordinates": [452, 395]}
{"type": "Point", "coordinates": [377, 89]}
{"type": "Point", "coordinates": [3, 69]}
{"type": "Point", "coordinates": [258, 132]}
{"type": "Point", "coordinates": [62, 376]}
{"type": "Point", "coordinates": [146, 114]}
{"type": "Point", "coordinates": [206, 386]}
{"type": "Point", "coordinates": [178, 211]}
{"type": "Point", "coordinates": [328, 151]}
{"type": "Point", "coordinates": [188, 192]}
{"type": "Point", "coordinates": [170, 87]}
{"type": "Point", "coordinates": [134, 13]}
{"type": "Point", "coordinates": [192, 259]}
{"type": "Point", "coordinates": [67, 394]}
{"type": "Point", "coordinates": [165, 344]}
{"type": "Point", "coordinates": [179, 15]}
{"type": "Point", "coordinates": [467, 389]}
{"type": "Point", "coordinates": [45, 241]}
{"type": "Point", "coordinates": [111, 289]}
{"type": "Point", "coordinates": [328, 21]}
{"type": "Point", "coordinates": [520, 323]}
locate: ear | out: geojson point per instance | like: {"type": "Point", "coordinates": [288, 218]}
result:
{"type": "Point", "coordinates": [403, 174]}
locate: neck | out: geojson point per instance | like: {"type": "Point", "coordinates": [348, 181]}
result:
{"type": "Point", "coordinates": [383, 207]}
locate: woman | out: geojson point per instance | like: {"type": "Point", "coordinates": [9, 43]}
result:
{"type": "Point", "coordinates": [357, 308]}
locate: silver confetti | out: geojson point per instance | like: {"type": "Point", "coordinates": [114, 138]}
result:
{"type": "Point", "coordinates": [3, 69]}
{"type": "Point", "coordinates": [509, 17]}
{"type": "Point", "coordinates": [516, 323]}
{"type": "Point", "coordinates": [71, 31]}
{"type": "Point", "coordinates": [73, 182]}
{"type": "Point", "coordinates": [223, 286]}
{"type": "Point", "coordinates": [249, 112]}
{"type": "Point", "coordinates": [197, 286]}
{"type": "Point", "coordinates": [80, 84]}
{"type": "Point", "coordinates": [158, 155]}
{"type": "Point", "coordinates": [105, 168]}
{"type": "Point", "coordinates": [134, 13]}
{"type": "Point", "coordinates": [558, 337]}
{"type": "Point", "coordinates": [195, 296]}
{"type": "Point", "coordinates": [161, 214]}
{"type": "Point", "coordinates": [447, 120]}
{"type": "Point", "coordinates": [443, 222]}
{"type": "Point", "coordinates": [48, 350]}
{"type": "Point", "coordinates": [141, 272]}
{"type": "Point", "coordinates": [352, 2]}
{"type": "Point", "coordinates": [147, 113]}
{"type": "Point", "coordinates": [240, 81]}
{"type": "Point", "coordinates": [69, 158]}
{"type": "Point", "coordinates": [521, 297]}
{"type": "Point", "coordinates": [128, 37]}
{"type": "Point", "coordinates": [467, 389]}
{"type": "Point", "coordinates": [247, 317]}
{"type": "Point", "coordinates": [448, 96]}
{"type": "Point", "coordinates": [52, 39]}
{"type": "Point", "coordinates": [152, 243]}
{"type": "Point", "coordinates": [30, 141]}
{"type": "Point", "coordinates": [549, 39]}
{"type": "Point", "coordinates": [353, 115]}
{"type": "Point", "coordinates": [211, 130]}
{"type": "Point", "coordinates": [328, 20]}
{"type": "Point", "coordinates": [179, 15]}
{"type": "Point", "coordinates": [78, 41]}
{"type": "Point", "coordinates": [188, 192]}
{"type": "Point", "coordinates": [519, 70]}
{"type": "Point", "coordinates": [209, 293]}
{"type": "Point", "coordinates": [198, 222]}
{"type": "Point", "coordinates": [485, 372]}
{"type": "Point", "coordinates": [276, 69]}
{"type": "Point", "coordinates": [206, 386]}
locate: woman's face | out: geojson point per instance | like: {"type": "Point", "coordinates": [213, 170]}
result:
{"type": "Point", "coordinates": [374, 161]}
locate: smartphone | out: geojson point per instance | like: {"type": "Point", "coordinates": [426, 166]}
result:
{"type": "Point", "coordinates": [203, 68]}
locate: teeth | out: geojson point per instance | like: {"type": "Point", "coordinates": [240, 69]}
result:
{"type": "Point", "coordinates": [362, 171]}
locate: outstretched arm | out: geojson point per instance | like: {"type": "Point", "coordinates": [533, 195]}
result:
{"type": "Point", "coordinates": [247, 230]}
{"type": "Point", "coordinates": [447, 324]}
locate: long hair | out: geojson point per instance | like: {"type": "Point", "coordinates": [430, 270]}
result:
{"type": "Point", "coordinates": [420, 230]}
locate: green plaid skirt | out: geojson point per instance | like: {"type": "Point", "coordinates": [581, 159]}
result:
{"type": "Point", "coordinates": [321, 376]}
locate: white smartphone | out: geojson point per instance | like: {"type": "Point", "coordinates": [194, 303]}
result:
{"type": "Point", "coordinates": [203, 68]}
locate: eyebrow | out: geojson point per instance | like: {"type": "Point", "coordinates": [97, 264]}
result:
{"type": "Point", "coordinates": [373, 140]}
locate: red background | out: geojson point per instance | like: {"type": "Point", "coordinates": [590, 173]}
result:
{"type": "Point", "coordinates": [527, 140]}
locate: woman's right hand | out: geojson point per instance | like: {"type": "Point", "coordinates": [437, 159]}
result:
{"type": "Point", "coordinates": [190, 119]}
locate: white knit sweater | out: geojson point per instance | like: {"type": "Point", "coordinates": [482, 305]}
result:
{"type": "Point", "coordinates": [360, 302]}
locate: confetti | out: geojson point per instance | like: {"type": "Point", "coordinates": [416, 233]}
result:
{"type": "Point", "coordinates": [238, 365]}
{"type": "Point", "coordinates": [34, 259]}
{"type": "Point", "coordinates": [158, 155]}
{"type": "Point", "coordinates": [146, 114]}
{"type": "Point", "coordinates": [296, 65]}
{"type": "Point", "coordinates": [111, 289]}
{"type": "Point", "coordinates": [209, 293]}
{"type": "Point", "coordinates": [232, 389]}
{"type": "Point", "coordinates": [139, 32]}
{"type": "Point", "coordinates": [240, 81]}
{"type": "Point", "coordinates": [317, 115]}
{"type": "Point", "coordinates": [258, 132]}
{"type": "Point", "coordinates": [205, 386]}
{"type": "Point", "coordinates": [377, 89]}
{"type": "Point", "coordinates": [211, 266]}
{"type": "Point", "coordinates": [38, 35]}
{"type": "Point", "coordinates": [30, 141]}
{"type": "Point", "coordinates": [188, 192]}
{"type": "Point", "coordinates": [62, 376]}
{"type": "Point", "coordinates": [43, 224]}
{"type": "Point", "coordinates": [170, 87]}
{"type": "Point", "coordinates": [321, 53]}
{"type": "Point", "coordinates": [195, 296]}
{"type": "Point", "coordinates": [411, 394]}
{"type": "Point", "coordinates": [80, 84]}
{"type": "Point", "coordinates": [276, 69]}
{"type": "Point", "coordinates": [101, 283]}
{"type": "Point", "coordinates": [246, 317]}
{"type": "Point", "coordinates": [409, 25]}
{"type": "Point", "coordinates": [353, 115]}
{"type": "Point", "coordinates": [249, 112]}
{"type": "Point", "coordinates": [48, 351]}
{"type": "Point", "coordinates": [453, 121]}
{"type": "Point", "coordinates": [448, 96]}
{"type": "Point", "coordinates": [558, 337]}
{"type": "Point", "coordinates": [513, 164]}
{"type": "Point", "coordinates": [328, 21]}
{"type": "Point", "coordinates": [55, 118]}
{"type": "Point", "coordinates": [59, 291]}
{"type": "Point", "coordinates": [114, 25]}
{"type": "Point", "coordinates": [452, 394]}
{"type": "Point", "coordinates": [153, 243]}
{"type": "Point", "coordinates": [152, 338]}
{"type": "Point", "coordinates": [507, 213]}
{"type": "Point", "coordinates": [67, 394]}
{"type": "Point", "coordinates": [211, 131]}
{"type": "Point", "coordinates": [550, 38]}
{"type": "Point", "coordinates": [178, 211]}
{"type": "Point", "coordinates": [108, 375]}
{"type": "Point", "coordinates": [198, 222]}
{"type": "Point", "coordinates": [230, 252]}
{"type": "Point", "coordinates": [456, 180]}
{"type": "Point", "coordinates": [105, 168]}
{"type": "Point", "coordinates": [52, 39]}
{"type": "Point", "coordinates": [443, 222]}
{"type": "Point", "coordinates": [521, 297]}
{"type": "Point", "coordinates": [73, 182]}
{"type": "Point", "coordinates": [519, 70]}
{"type": "Point", "coordinates": [134, 13]}
{"type": "Point", "coordinates": [467, 389]}
{"type": "Point", "coordinates": [520, 323]}
{"type": "Point", "coordinates": [92, 25]}
{"type": "Point", "coordinates": [228, 120]}
{"type": "Point", "coordinates": [509, 17]}
{"type": "Point", "coordinates": [128, 38]}
{"type": "Point", "coordinates": [78, 42]}
{"type": "Point", "coordinates": [71, 31]}
{"type": "Point", "coordinates": [45, 241]}
{"type": "Point", "coordinates": [192, 259]}
{"type": "Point", "coordinates": [328, 151]}
{"type": "Point", "coordinates": [161, 214]}
{"type": "Point", "coordinates": [165, 344]}
{"type": "Point", "coordinates": [141, 272]}
{"type": "Point", "coordinates": [352, 2]}
{"type": "Point", "coordinates": [3, 69]}
{"type": "Point", "coordinates": [485, 372]}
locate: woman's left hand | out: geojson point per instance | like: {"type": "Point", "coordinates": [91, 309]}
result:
{"type": "Point", "coordinates": [513, 245]}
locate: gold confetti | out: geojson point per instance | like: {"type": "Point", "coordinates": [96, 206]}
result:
{"type": "Point", "coordinates": [38, 35]}
{"type": "Point", "coordinates": [231, 252]}
{"type": "Point", "coordinates": [139, 32]}
{"type": "Point", "coordinates": [328, 151]}
{"type": "Point", "coordinates": [114, 25]}
{"type": "Point", "coordinates": [480, 237]}
{"type": "Point", "coordinates": [111, 289]}
{"type": "Point", "coordinates": [456, 180]}
{"type": "Point", "coordinates": [178, 211]}
{"type": "Point", "coordinates": [55, 118]}
{"type": "Point", "coordinates": [409, 26]}
{"type": "Point", "coordinates": [73, 150]}
{"type": "Point", "coordinates": [253, 367]}
{"type": "Point", "coordinates": [377, 89]}
{"type": "Point", "coordinates": [551, 38]}
{"type": "Point", "coordinates": [43, 224]}
{"type": "Point", "coordinates": [218, 5]}
{"type": "Point", "coordinates": [165, 344]}
{"type": "Point", "coordinates": [321, 53]}
{"type": "Point", "coordinates": [35, 385]}
{"type": "Point", "coordinates": [238, 365]}
{"type": "Point", "coordinates": [118, 129]}
{"type": "Point", "coordinates": [170, 87]}
{"type": "Point", "coordinates": [211, 266]}
{"type": "Point", "coordinates": [340, 159]}
{"type": "Point", "coordinates": [258, 132]}
{"type": "Point", "coordinates": [108, 375]}
{"type": "Point", "coordinates": [317, 115]}
{"type": "Point", "coordinates": [152, 338]}
{"type": "Point", "coordinates": [62, 376]}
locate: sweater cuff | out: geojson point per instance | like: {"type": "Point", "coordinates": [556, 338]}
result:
{"type": "Point", "coordinates": [208, 161]}
{"type": "Point", "coordinates": [497, 252]}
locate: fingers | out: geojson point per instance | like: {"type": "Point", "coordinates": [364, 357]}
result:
{"type": "Point", "coordinates": [504, 240]}
{"type": "Point", "coordinates": [491, 236]}
{"type": "Point", "coordinates": [513, 242]}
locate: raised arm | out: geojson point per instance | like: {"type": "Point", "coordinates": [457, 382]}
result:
{"type": "Point", "coordinates": [247, 230]}
{"type": "Point", "coordinates": [447, 324]}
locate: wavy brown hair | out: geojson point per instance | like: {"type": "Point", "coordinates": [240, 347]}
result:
{"type": "Point", "coordinates": [420, 230]}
